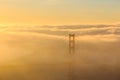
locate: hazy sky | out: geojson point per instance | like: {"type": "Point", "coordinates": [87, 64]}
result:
{"type": "Point", "coordinates": [59, 12]}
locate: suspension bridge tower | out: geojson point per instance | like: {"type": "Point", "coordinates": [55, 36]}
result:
{"type": "Point", "coordinates": [71, 68]}
{"type": "Point", "coordinates": [71, 44]}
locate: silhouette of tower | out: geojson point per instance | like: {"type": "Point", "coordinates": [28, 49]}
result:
{"type": "Point", "coordinates": [71, 44]}
{"type": "Point", "coordinates": [71, 68]}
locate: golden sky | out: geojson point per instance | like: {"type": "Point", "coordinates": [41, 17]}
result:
{"type": "Point", "coordinates": [59, 12]}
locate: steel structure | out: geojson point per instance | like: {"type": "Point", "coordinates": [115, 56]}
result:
{"type": "Point", "coordinates": [71, 43]}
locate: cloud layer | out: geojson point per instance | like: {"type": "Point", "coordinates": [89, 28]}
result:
{"type": "Point", "coordinates": [83, 32]}
{"type": "Point", "coordinates": [44, 42]}
{"type": "Point", "coordinates": [42, 52]}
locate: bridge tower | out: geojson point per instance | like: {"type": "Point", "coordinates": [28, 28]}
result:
{"type": "Point", "coordinates": [71, 44]}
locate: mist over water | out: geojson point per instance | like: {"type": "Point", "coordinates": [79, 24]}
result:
{"type": "Point", "coordinates": [41, 53]}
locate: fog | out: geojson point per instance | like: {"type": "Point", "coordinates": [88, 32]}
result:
{"type": "Point", "coordinates": [41, 53]}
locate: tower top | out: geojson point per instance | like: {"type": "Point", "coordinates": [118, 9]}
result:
{"type": "Point", "coordinates": [71, 34]}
